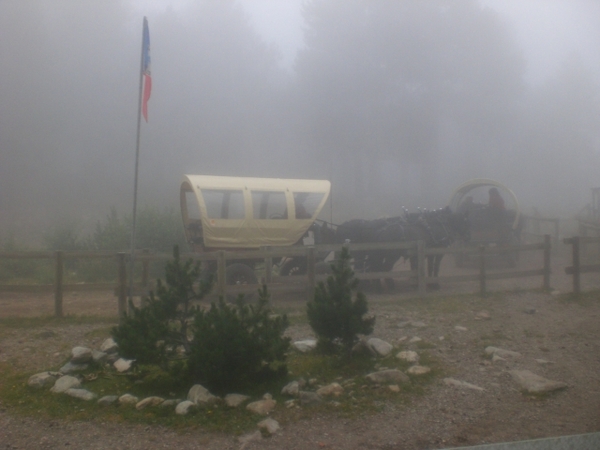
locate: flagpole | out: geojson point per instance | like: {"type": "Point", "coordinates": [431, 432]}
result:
{"type": "Point", "coordinates": [135, 178]}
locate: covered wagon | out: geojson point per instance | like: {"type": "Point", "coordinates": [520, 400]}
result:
{"type": "Point", "coordinates": [493, 213]}
{"type": "Point", "coordinates": [242, 213]}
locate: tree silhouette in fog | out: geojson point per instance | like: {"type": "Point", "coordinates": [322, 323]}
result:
{"type": "Point", "coordinates": [391, 81]}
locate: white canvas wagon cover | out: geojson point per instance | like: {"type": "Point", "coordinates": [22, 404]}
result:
{"type": "Point", "coordinates": [243, 212]}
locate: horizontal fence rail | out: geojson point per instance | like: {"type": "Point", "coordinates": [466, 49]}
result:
{"type": "Point", "coordinates": [276, 283]}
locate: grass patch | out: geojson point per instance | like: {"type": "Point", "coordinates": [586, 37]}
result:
{"type": "Point", "coordinates": [360, 396]}
{"type": "Point", "coordinates": [22, 400]}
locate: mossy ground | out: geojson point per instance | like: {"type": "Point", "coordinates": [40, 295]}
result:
{"type": "Point", "coordinates": [359, 397]}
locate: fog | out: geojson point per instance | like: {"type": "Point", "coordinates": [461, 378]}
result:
{"type": "Point", "coordinates": [396, 102]}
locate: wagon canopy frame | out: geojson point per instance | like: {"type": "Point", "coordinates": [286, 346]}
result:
{"type": "Point", "coordinates": [242, 212]}
{"type": "Point", "coordinates": [461, 192]}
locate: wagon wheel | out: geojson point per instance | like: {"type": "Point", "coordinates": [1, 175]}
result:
{"type": "Point", "coordinates": [294, 266]}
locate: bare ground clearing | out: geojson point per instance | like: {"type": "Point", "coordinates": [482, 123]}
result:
{"type": "Point", "coordinates": [555, 328]}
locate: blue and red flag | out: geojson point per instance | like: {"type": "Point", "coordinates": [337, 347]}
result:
{"type": "Point", "coordinates": [146, 70]}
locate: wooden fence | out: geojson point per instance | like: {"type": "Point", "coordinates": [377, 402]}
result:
{"type": "Point", "coordinates": [577, 268]}
{"type": "Point", "coordinates": [304, 283]}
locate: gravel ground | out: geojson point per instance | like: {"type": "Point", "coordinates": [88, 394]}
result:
{"type": "Point", "coordinates": [538, 325]}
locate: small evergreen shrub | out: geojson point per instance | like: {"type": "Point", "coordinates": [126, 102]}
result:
{"type": "Point", "coordinates": [159, 331]}
{"type": "Point", "coordinates": [238, 345]}
{"type": "Point", "coordinates": [227, 347]}
{"type": "Point", "coordinates": [334, 316]}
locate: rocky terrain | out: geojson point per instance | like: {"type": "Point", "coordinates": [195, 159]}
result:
{"type": "Point", "coordinates": [478, 399]}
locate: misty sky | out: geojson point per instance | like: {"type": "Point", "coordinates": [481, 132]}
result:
{"type": "Point", "coordinates": [397, 101]}
{"type": "Point", "coordinates": [546, 30]}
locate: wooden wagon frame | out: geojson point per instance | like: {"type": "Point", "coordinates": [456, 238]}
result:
{"type": "Point", "coordinates": [243, 213]}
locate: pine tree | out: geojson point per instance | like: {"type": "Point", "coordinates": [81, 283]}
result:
{"type": "Point", "coordinates": [334, 316]}
{"type": "Point", "coordinates": [155, 333]}
{"type": "Point", "coordinates": [237, 345]}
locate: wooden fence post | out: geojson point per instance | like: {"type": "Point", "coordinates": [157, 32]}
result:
{"type": "Point", "coordinates": [421, 282]}
{"type": "Point", "coordinates": [310, 271]}
{"type": "Point", "coordinates": [221, 274]}
{"type": "Point", "coordinates": [547, 250]}
{"type": "Point", "coordinates": [576, 265]}
{"type": "Point", "coordinates": [122, 288]}
{"type": "Point", "coordinates": [482, 286]}
{"type": "Point", "coordinates": [58, 284]}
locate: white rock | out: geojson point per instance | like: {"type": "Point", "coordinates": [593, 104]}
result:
{"type": "Point", "coordinates": [535, 384]}
{"type": "Point", "coordinates": [262, 407]}
{"type": "Point", "coordinates": [418, 370]}
{"type": "Point", "coordinates": [268, 426]}
{"type": "Point", "coordinates": [81, 355]}
{"type": "Point", "coordinates": [64, 383]}
{"type": "Point", "coordinates": [109, 346]}
{"type": "Point", "coordinates": [459, 328]}
{"type": "Point", "coordinates": [305, 345]}
{"type": "Point", "coordinates": [408, 356]}
{"type": "Point", "coordinates": [234, 400]}
{"type": "Point", "coordinates": [461, 384]}
{"type": "Point", "coordinates": [71, 367]}
{"type": "Point", "coordinates": [308, 398]}
{"type": "Point", "coordinates": [82, 394]}
{"type": "Point", "coordinates": [99, 357]}
{"type": "Point", "coordinates": [42, 380]}
{"type": "Point", "coordinates": [149, 401]}
{"type": "Point", "coordinates": [501, 352]}
{"type": "Point", "coordinates": [497, 358]}
{"type": "Point", "coordinates": [184, 407]}
{"type": "Point", "coordinates": [199, 394]}
{"type": "Point", "coordinates": [331, 389]}
{"type": "Point", "coordinates": [108, 400]}
{"type": "Point", "coordinates": [292, 389]}
{"type": "Point", "coordinates": [169, 403]}
{"type": "Point", "coordinates": [128, 399]}
{"type": "Point", "coordinates": [415, 339]}
{"type": "Point", "coordinates": [123, 365]}
{"type": "Point", "coordinates": [379, 346]}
